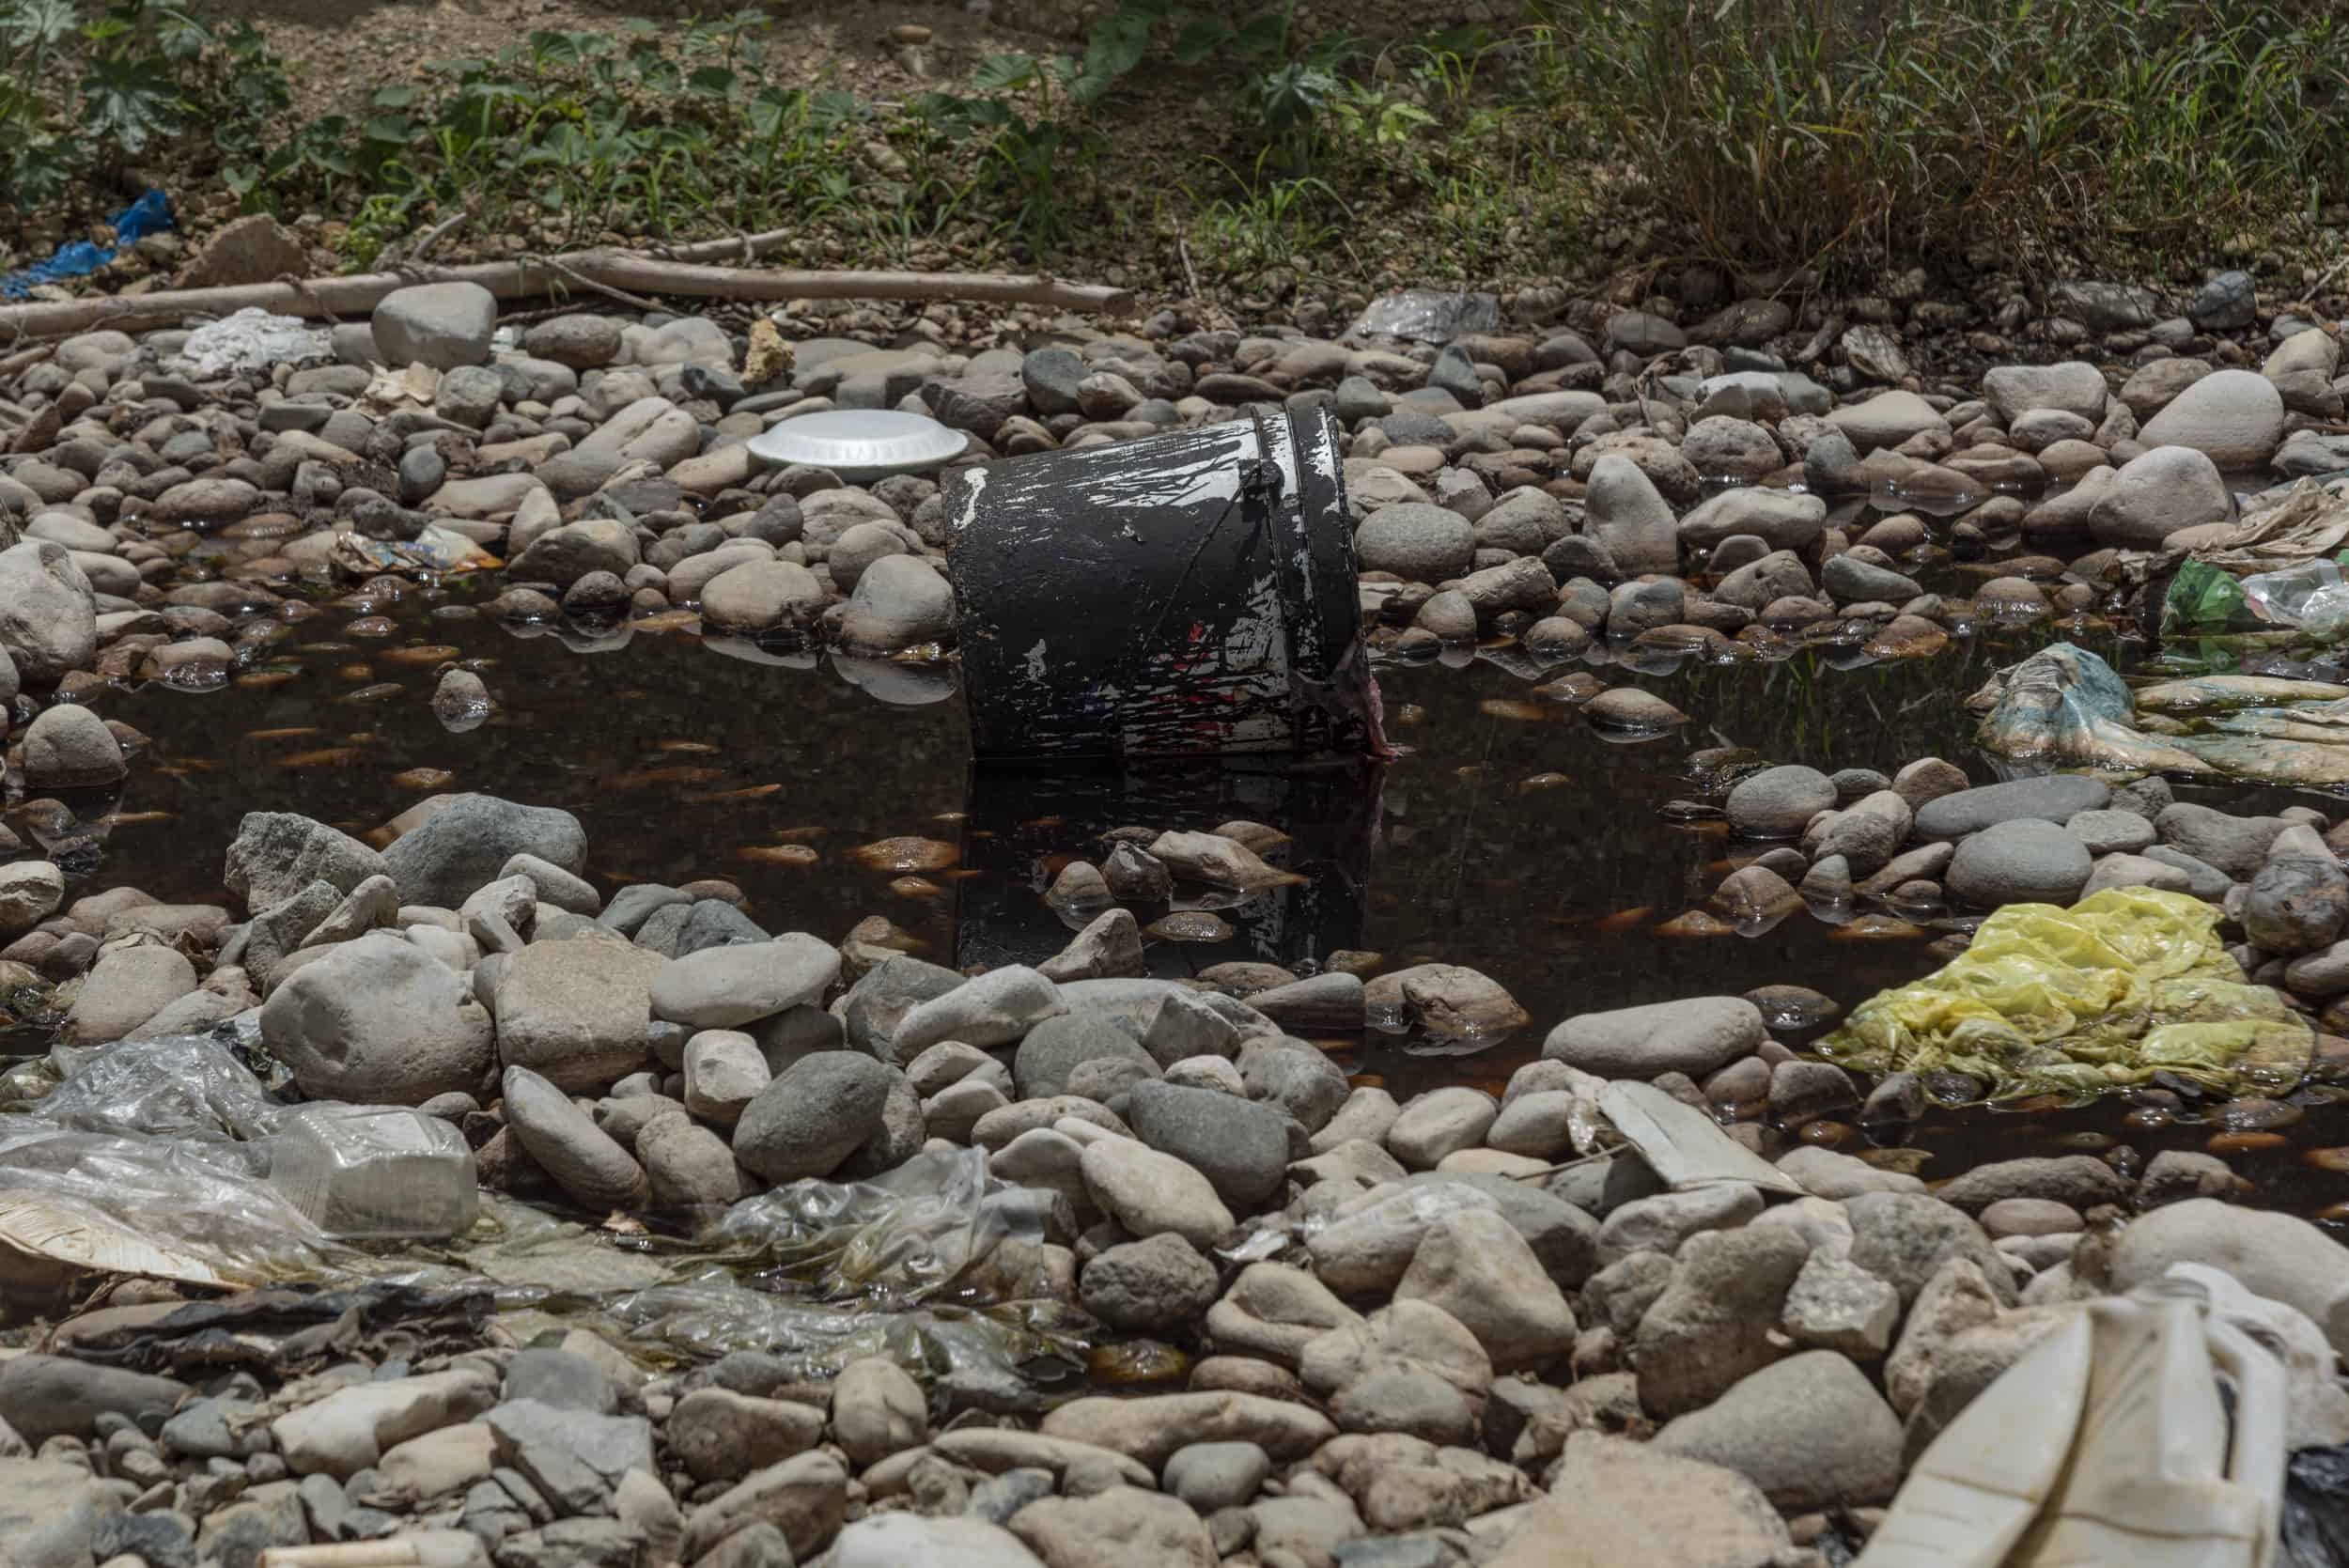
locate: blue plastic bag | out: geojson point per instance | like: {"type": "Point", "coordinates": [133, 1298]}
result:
{"type": "Point", "coordinates": [150, 214]}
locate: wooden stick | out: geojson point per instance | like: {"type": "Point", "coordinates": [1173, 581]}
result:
{"type": "Point", "coordinates": [349, 1554]}
{"type": "Point", "coordinates": [680, 273]}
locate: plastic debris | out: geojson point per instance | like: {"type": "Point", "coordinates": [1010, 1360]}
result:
{"type": "Point", "coordinates": [434, 549]}
{"type": "Point", "coordinates": [1236, 621]}
{"type": "Point", "coordinates": [1427, 314]}
{"type": "Point", "coordinates": [375, 1172]}
{"type": "Point", "coordinates": [2121, 986]}
{"type": "Point", "coordinates": [2064, 706]}
{"type": "Point", "coordinates": [79, 259]}
{"type": "Point", "coordinates": [1684, 1146]}
{"type": "Point", "coordinates": [2145, 1429]}
{"type": "Point", "coordinates": [253, 339]}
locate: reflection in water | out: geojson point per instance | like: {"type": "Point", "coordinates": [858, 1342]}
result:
{"type": "Point", "coordinates": [1509, 837]}
{"type": "Point", "coordinates": [1023, 825]}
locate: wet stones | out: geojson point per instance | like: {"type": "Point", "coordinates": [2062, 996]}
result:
{"type": "Point", "coordinates": [68, 746]}
{"type": "Point", "coordinates": [1780, 802]}
{"type": "Point", "coordinates": [2025, 861]}
{"type": "Point", "coordinates": [1695, 1036]}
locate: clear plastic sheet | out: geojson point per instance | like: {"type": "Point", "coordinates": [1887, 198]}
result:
{"type": "Point", "coordinates": [177, 1086]}
{"type": "Point", "coordinates": [375, 1172]}
{"type": "Point", "coordinates": [1427, 314]}
{"type": "Point", "coordinates": [201, 1211]}
{"type": "Point", "coordinates": [819, 1273]}
{"type": "Point", "coordinates": [168, 1158]}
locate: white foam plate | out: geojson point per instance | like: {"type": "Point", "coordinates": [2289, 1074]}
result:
{"type": "Point", "coordinates": [860, 443]}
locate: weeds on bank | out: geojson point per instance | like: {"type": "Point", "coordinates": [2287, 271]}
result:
{"type": "Point", "coordinates": [1852, 133]}
{"type": "Point", "coordinates": [1800, 130]}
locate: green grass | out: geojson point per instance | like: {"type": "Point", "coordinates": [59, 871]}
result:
{"type": "Point", "coordinates": [1596, 138]}
{"type": "Point", "coordinates": [1805, 131]}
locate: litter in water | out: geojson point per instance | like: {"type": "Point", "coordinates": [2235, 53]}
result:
{"type": "Point", "coordinates": [2127, 983]}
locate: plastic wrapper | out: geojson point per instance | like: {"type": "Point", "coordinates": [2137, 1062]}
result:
{"type": "Point", "coordinates": [2080, 1002]}
{"type": "Point", "coordinates": [935, 1264]}
{"type": "Point", "coordinates": [177, 1086]}
{"type": "Point", "coordinates": [433, 550]}
{"type": "Point", "coordinates": [1427, 314]}
{"type": "Point", "coordinates": [79, 259]}
{"type": "Point", "coordinates": [254, 339]}
{"type": "Point", "coordinates": [375, 1172]}
{"type": "Point", "coordinates": [196, 1211]}
{"type": "Point", "coordinates": [2064, 706]}
{"type": "Point", "coordinates": [2309, 600]}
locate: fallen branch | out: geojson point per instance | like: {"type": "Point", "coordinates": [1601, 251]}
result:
{"type": "Point", "coordinates": [680, 273]}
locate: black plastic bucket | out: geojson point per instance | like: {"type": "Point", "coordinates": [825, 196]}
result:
{"type": "Point", "coordinates": [1188, 594]}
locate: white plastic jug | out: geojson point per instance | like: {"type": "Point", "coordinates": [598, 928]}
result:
{"type": "Point", "coordinates": [2107, 1443]}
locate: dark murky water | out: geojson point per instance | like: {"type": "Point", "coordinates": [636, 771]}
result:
{"type": "Point", "coordinates": [1512, 838]}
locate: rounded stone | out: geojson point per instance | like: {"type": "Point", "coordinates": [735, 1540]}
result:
{"type": "Point", "coordinates": [2022, 862]}
{"type": "Point", "coordinates": [1780, 802]}
{"type": "Point", "coordinates": [68, 746]}
{"type": "Point", "coordinates": [1417, 541]}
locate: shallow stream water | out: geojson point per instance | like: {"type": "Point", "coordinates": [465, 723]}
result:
{"type": "Point", "coordinates": [1510, 836]}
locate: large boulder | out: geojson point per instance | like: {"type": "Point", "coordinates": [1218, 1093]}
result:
{"type": "Point", "coordinates": [2279, 1256]}
{"type": "Point", "coordinates": [278, 854]}
{"type": "Point", "coordinates": [444, 325]}
{"type": "Point", "coordinates": [47, 616]}
{"type": "Point", "coordinates": [2234, 416]}
{"type": "Point", "coordinates": [578, 1011]}
{"type": "Point", "coordinates": [378, 1021]}
{"type": "Point", "coordinates": [2157, 494]}
{"type": "Point", "coordinates": [466, 841]}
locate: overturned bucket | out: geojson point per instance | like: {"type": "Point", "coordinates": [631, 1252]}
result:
{"type": "Point", "coordinates": [1183, 595]}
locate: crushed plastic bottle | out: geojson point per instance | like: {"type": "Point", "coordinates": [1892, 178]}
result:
{"type": "Point", "coordinates": [374, 1173]}
{"type": "Point", "coordinates": [2311, 597]}
{"type": "Point", "coordinates": [1428, 316]}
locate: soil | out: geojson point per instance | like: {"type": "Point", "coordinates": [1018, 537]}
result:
{"type": "Point", "coordinates": [335, 48]}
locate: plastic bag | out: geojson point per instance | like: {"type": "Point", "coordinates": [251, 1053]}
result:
{"type": "Point", "coordinates": [196, 1211]}
{"type": "Point", "coordinates": [177, 1086]}
{"type": "Point", "coordinates": [253, 339]}
{"type": "Point", "coordinates": [150, 214]}
{"type": "Point", "coordinates": [2313, 597]}
{"type": "Point", "coordinates": [924, 1264]}
{"type": "Point", "coordinates": [2123, 985]}
{"type": "Point", "coordinates": [1429, 315]}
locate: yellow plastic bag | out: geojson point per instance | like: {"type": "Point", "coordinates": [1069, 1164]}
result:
{"type": "Point", "coordinates": [2083, 1000]}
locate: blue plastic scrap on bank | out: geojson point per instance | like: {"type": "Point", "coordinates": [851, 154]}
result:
{"type": "Point", "coordinates": [150, 214]}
